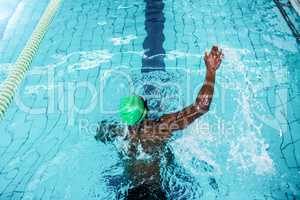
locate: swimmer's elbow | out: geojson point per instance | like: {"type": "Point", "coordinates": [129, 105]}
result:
{"type": "Point", "coordinates": [192, 117]}
{"type": "Point", "coordinates": [206, 108]}
{"type": "Point", "coordinates": [203, 109]}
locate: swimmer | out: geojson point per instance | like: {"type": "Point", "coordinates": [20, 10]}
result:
{"type": "Point", "coordinates": [152, 135]}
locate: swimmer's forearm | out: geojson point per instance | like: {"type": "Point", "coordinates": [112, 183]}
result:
{"type": "Point", "coordinates": [186, 116]}
{"type": "Point", "coordinates": [206, 93]}
{"type": "Point", "coordinates": [200, 106]}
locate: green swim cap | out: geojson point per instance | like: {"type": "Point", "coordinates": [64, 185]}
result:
{"type": "Point", "coordinates": [132, 110]}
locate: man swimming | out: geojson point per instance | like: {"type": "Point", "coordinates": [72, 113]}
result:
{"type": "Point", "coordinates": [152, 135]}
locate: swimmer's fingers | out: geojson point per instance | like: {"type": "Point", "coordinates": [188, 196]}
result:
{"type": "Point", "coordinates": [220, 59]}
{"type": "Point", "coordinates": [205, 55]}
{"type": "Point", "coordinates": [214, 49]}
{"type": "Point", "coordinates": [220, 55]}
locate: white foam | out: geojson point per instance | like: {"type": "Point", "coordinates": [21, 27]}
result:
{"type": "Point", "coordinates": [101, 23]}
{"type": "Point", "coordinates": [171, 55]}
{"type": "Point", "coordinates": [250, 152]}
{"type": "Point", "coordinates": [90, 60]}
{"type": "Point", "coordinates": [194, 149]}
{"type": "Point", "coordinates": [123, 40]}
{"type": "Point", "coordinates": [125, 7]}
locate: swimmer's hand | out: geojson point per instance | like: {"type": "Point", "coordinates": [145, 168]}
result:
{"type": "Point", "coordinates": [213, 59]}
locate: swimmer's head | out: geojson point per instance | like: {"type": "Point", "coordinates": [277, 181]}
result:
{"type": "Point", "coordinates": [133, 110]}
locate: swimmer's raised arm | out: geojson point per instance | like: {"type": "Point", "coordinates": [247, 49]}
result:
{"type": "Point", "coordinates": [180, 120]}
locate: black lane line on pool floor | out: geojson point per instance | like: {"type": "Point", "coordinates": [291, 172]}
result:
{"type": "Point", "coordinates": [153, 43]}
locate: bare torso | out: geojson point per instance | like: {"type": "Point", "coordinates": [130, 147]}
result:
{"type": "Point", "coordinates": [152, 139]}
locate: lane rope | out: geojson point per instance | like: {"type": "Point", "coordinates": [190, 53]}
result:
{"type": "Point", "coordinates": [10, 84]}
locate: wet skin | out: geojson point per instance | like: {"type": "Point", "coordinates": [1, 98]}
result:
{"type": "Point", "coordinates": [153, 135]}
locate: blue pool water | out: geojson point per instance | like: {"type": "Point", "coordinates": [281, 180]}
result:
{"type": "Point", "coordinates": [246, 147]}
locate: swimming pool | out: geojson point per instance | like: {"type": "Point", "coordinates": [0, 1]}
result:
{"type": "Point", "coordinates": [246, 147]}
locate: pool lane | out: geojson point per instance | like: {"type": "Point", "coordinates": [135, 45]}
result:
{"type": "Point", "coordinates": [17, 21]}
{"type": "Point", "coordinates": [6, 9]}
